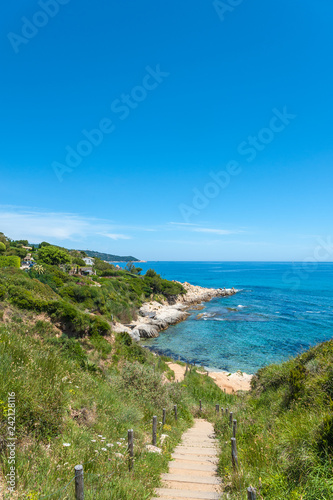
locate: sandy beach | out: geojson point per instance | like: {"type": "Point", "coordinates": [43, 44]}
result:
{"type": "Point", "coordinates": [232, 382]}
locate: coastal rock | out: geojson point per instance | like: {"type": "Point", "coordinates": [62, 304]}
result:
{"type": "Point", "coordinates": [145, 330]}
{"type": "Point", "coordinates": [156, 316]}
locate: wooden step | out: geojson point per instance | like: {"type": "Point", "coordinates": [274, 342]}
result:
{"type": "Point", "coordinates": [170, 493]}
{"type": "Point", "coordinates": [185, 465]}
{"type": "Point", "coordinates": [184, 478]}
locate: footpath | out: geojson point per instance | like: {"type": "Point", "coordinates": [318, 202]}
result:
{"type": "Point", "coordinates": [193, 471]}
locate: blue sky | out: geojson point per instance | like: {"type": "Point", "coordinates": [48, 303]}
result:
{"type": "Point", "coordinates": [171, 130]}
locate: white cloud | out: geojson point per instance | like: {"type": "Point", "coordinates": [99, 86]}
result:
{"type": "Point", "coordinates": [38, 226]}
{"type": "Point", "coordinates": [215, 231]}
{"type": "Point", "coordinates": [115, 236]}
{"type": "Point", "coordinates": [182, 223]}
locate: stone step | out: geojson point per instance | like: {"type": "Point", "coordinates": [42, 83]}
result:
{"type": "Point", "coordinates": [191, 450]}
{"type": "Point", "coordinates": [184, 478]}
{"type": "Point", "coordinates": [180, 485]}
{"type": "Point", "coordinates": [186, 465]}
{"type": "Point", "coordinates": [195, 458]}
{"type": "Point", "coordinates": [174, 494]}
{"type": "Point", "coordinates": [198, 444]}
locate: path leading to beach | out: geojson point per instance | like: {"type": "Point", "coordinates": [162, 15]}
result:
{"type": "Point", "coordinates": [178, 370]}
{"type": "Point", "coordinates": [192, 472]}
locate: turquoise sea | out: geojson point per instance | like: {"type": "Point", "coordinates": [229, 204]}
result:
{"type": "Point", "coordinates": [281, 310]}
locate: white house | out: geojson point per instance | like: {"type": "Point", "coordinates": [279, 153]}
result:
{"type": "Point", "coordinates": [89, 261]}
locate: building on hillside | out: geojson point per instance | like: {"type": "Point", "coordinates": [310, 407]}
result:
{"type": "Point", "coordinates": [74, 270]}
{"type": "Point", "coordinates": [87, 271]}
{"type": "Point", "coordinates": [27, 263]}
{"type": "Point", "coordinates": [89, 261]}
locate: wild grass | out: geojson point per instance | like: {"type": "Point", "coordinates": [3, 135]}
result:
{"type": "Point", "coordinates": [284, 432]}
{"type": "Point", "coordinates": [87, 394]}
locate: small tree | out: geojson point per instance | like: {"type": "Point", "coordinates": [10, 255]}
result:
{"type": "Point", "coordinates": [130, 267]}
{"type": "Point", "coordinates": [151, 273]}
{"type": "Point", "coordinates": [53, 255]}
{"type": "Point", "coordinates": [2, 247]}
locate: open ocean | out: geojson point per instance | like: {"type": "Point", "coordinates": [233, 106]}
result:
{"type": "Point", "coordinates": [281, 310]}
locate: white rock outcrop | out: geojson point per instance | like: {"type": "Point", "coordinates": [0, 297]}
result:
{"type": "Point", "coordinates": [155, 316]}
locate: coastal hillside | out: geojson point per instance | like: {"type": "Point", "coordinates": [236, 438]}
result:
{"type": "Point", "coordinates": [285, 431]}
{"type": "Point", "coordinates": [79, 294]}
{"type": "Point", "coordinates": [79, 382]}
{"type": "Point", "coordinates": [111, 258]}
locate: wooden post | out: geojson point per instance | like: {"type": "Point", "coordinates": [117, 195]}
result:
{"type": "Point", "coordinates": [130, 448]}
{"type": "Point", "coordinates": [251, 493]}
{"type": "Point", "coordinates": [207, 374]}
{"type": "Point", "coordinates": [200, 405]}
{"type": "Point", "coordinates": [230, 417]}
{"type": "Point", "coordinates": [234, 457]}
{"type": "Point", "coordinates": [222, 410]}
{"type": "Point", "coordinates": [217, 409]}
{"type": "Point", "coordinates": [186, 369]}
{"type": "Point", "coordinates": [234, 428]}
{"type": "Point", "coordinates": [164, 416]}
{"type": "Point", "coordinates": [226, 411]}
{"type": "Point", "coordinates": [175, 410]}
{"type": "Point", "coordinates": [154, 430]}
{"type": "Point", "coordinates": [79, 487]}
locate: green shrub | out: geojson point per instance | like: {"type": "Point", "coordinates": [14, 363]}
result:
{"type": "Point", "coordinates": [296, 381]}
{"type": "Point", "coordinates": [11, 261]}
{"type": "Point", "coordinates": [53, 255]}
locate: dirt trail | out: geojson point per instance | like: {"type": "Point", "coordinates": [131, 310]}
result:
{"type": "Point", "coordinates": [178, 370]}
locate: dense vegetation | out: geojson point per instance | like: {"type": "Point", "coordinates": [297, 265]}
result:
{"type": "Point", "coordinates": [78, 304]}
{"type": "Point", "coordinates": [76, 399]}
{"type": "Point", "coordinates": [285, 431]}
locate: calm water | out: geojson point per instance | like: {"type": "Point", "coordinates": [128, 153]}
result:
{"type": "Point", "coordinates": [281, 310]}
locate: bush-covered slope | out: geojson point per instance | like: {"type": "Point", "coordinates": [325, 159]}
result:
{"type": "Point", "coordinates": [285, 430]}
{"type": "Point", "coordinates": [75, 401]}
{"type": "Point", "coordinates": [80, 305]}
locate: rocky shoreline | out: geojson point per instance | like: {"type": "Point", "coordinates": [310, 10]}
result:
{"type": "Point", "coordinates": [155, 316]}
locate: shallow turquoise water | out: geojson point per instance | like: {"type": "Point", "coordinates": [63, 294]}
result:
{"type": "Point", "coordinates": [281, 310]}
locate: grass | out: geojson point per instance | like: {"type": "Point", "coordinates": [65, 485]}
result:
{"type": "Point", "coordinates": [82, 391]}
{"type": "Point", "coordinates": [284, 431]}
{"type": "Point", "coordinates": [88, 392]}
